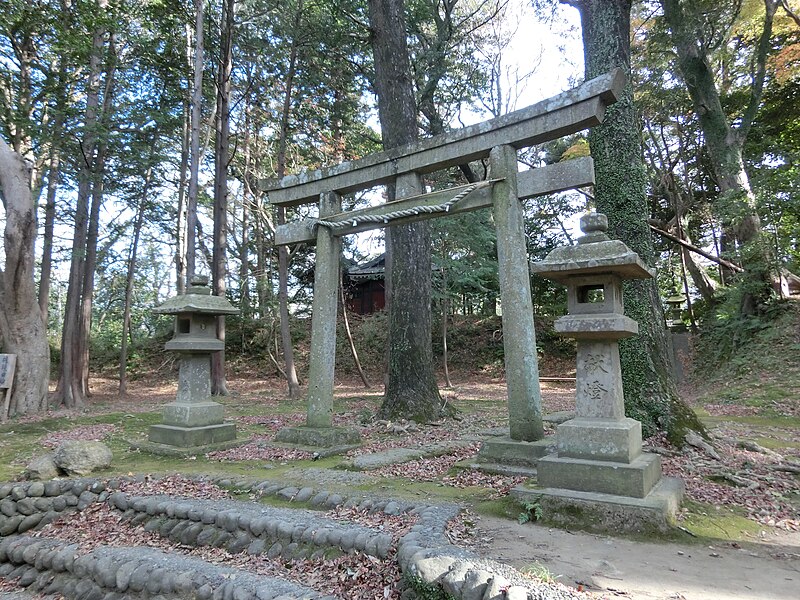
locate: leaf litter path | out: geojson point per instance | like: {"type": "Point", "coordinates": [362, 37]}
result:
{"type": "Point", "coordinates": [766, 568]}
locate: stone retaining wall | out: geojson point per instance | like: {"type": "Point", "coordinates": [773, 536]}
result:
{"type": "Point", "coordinates": [26, 505]}
{"type": "Point", "coordinates": [50, 565]}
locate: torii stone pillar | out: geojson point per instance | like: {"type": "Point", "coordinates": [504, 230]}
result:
{"type": "Point", "coordinates": [525, 443]}
{"type": "Point", "coordinates": [599, 475]}
{"type": "Point", "coordinates": [318, 430]}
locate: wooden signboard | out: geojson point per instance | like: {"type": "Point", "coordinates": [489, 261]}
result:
{"type": "Point", "coordinates": [8, 363]}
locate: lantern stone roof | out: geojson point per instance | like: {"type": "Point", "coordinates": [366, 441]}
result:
{"type": "Point", "coordinates": [197, 299]}
{"type": "Point", "coordinates": [594, 253]}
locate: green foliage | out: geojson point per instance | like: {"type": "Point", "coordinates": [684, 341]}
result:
{"type": "Point", "coordinates": [465, 262]}
{"type": "Point", "coordinates": [531, 511]}
{"type": "Point", "coordinates": [425, 590]}
{"type": "Point", "coordinates": [738, 343]}
{"type": "Point", "coordinates": [540, 572]}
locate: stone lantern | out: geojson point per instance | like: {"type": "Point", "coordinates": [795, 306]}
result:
{"type": "Point", "coordinates": [193, 419]}
{"type": "Point", "coordinates": [599, 460]}
{"type": "Point", "coordinates": [674, 306]}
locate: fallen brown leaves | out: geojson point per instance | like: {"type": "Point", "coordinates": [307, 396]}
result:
{"type": "Point", "coordinates": [273, 422]}
{"type": "Point", "coordinates": [460, 531]}
{"type": "Point", "coordinates": [501, 484]}
{"type": "Point", "coordinates": [396, 525]}
{"type": "Point", "coordinates": [741, 478]}
{"type": "Point", "coordinates": [174, 485]}
{"type": "Point", "coordinates": [260, 448]}
{"type": "Point", "coordinates": [428, 469]}
{"type": "Point", "coordinates": [84, 432]}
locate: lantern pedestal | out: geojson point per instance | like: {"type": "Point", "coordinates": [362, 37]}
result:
{"type": "Point", "coordinates": [508, 456]}
{"type": "Point", "coordinates": [193, 437]}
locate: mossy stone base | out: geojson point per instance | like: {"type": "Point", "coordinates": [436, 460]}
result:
{"type": "Point", "coordinates": [616, 440]}
{"type": "Point", "coordinates": [187, 437]}
{"type": "Point", "coordinates": [497, 468]}
{"type": "Point", "coordinates": [319, 437]}
{"type": "Point", "coordinates": [634, 479]}
{"type": "Point", "coordinates": [607, 513]}
{"type": "Point", "coordinates": [193, 414]}
{"type": "Point", "coordinates": [164, 450]}
{"type": "Point", "coordinates": [506, 451]}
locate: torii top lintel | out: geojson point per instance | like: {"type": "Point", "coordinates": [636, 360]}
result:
{"type": "Point", "coordinates": [566, 113]}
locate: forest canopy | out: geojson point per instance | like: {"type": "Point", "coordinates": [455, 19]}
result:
{"type": "Point", "coordinates": [146, 126]}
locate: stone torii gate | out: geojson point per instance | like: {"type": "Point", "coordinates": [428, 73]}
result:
{"type": "Point", "coordinates": [498, 139]}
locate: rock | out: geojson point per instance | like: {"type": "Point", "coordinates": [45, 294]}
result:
{"type": "Point", "coordinates": [41, 468]}
{"type": "Point", "coordinates": [36, 489]}
{"type": "Point", "coordinates": [452, 582]}
{"type": "Point", "coordinates": [475, 584]}
{"type": "Point", "coordinates": [516, 592]}
{"type": "Point", "coordinates": [304, 495]}
{"type": "Point", "coordinates": [755, 447]}
{"type": "Point", "coordinates": [82, 457]}
{"type": "Point", "coordinates": [495, 588]}
{"type": "Point", "coordinates": [434, 568]}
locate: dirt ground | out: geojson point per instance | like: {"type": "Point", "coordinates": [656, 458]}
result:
{"type": "Point", "coordinates": [612, 567]}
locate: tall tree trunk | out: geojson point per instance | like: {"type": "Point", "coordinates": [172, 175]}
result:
{"type": "Point", "coordinates": [648, 382]}
{"type": "Point", "coordinates": [283, 253]}
{"type": "Point", "coordinates": [98, 185]}
{"type": "Point", "coordinates": [247, 196]}
{"type": "Point", "coordinates": [244, 256]}
{"type": "Point", "coordinates": [260, 215]}
{"type": "Point", "coordinates": [445, 315]}
{"type": "Point", "coordinates": [22, 328]}
{"type": "Point", "coordinates": [725, 142]}
{"type": "Point", "coordinates": [194, 152]}
{"type": "Point", "coordinates": [264, 287]}
{"type": "Point", "coordinates": [126, 316]}
{"type": "Point", "coordinates": [702, 282]}
{"type": "Point", "coordinates": [53, 175]}
{"type": "Point", "coordinates": [70, 391]}
{"type": "Point", "coordinates": [219, 385]}
{"type": "Point", "coordinates": [180, 228]}
{"type": "Point", "coordinates": [50, 218]}
{"type": "Point", "coordinates": [411, 390]}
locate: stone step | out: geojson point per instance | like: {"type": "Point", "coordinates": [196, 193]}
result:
{"type": "Point", "coordinates": [396, 456]}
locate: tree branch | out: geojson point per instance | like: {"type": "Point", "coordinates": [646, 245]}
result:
{"type": "Point", "coordinates": [793, 15]}
{"type": "Point", "coordinates": [695, 249]}
{"type": "Point", "coordinates": [760, 68]}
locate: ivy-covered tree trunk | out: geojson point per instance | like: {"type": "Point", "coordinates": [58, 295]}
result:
{"type": "Point", "coordinates": [648, 383]}
{"type": "Point", "coordinates": [725, 143]}
{"type": "Point", "coordinates": [411, 390]}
